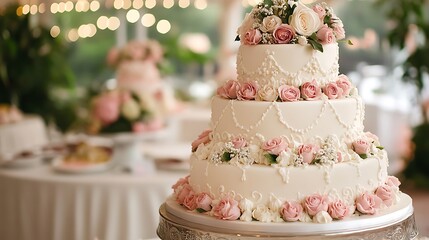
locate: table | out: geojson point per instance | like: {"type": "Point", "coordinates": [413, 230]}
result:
{"type": "Point", "coordinates": [40, 204]}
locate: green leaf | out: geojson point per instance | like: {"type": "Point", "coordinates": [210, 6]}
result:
{"type": "Point", "coordinates": [272, 159]}
{"type": "Point", "coordinates": [200, 210]}
{"type": "Point", "coordinates": [363, 156]}
{"type": "Point", "coordinates": [268, 2]}
{"type": "Point", "coordinates": [380, 147]}
{"type": "Point", "coordinates": [315, 45]}
{"type": "Point", "coordinates": [349, 42]}
{"type": "Point", "coordinates": [226, 157]}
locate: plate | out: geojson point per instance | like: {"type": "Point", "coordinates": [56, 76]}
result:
{"type": "Point", "coordinates": [24, 162]}
{"type": "Point", "coordinates": [165, 150]}
{"type": "Point", "coordinates": [59, 165]}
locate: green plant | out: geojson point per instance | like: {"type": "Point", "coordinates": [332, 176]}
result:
{"type": "Point", "coordinates": [34, 72]}
{"type": "Point", "coordinates": [402, 14]}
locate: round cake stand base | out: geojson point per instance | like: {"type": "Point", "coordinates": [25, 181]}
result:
{"type": "Point", "coordinates": [173, 228]}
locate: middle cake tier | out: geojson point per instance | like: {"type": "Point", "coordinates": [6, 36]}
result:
{"type": "Point", "coordinates": [300, 122]}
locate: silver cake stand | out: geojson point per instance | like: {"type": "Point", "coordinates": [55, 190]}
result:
{"type": "Point", "coordinates": [174, 228]}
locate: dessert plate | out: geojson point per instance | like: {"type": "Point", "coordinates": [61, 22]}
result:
{"type": "Point", "coordinates": [59, 165]}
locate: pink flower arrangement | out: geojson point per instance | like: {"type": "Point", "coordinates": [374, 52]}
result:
{"type": "Point", "coordinates": [203, 138]}
{"type": "Point", "coordinates": [291, 211]}
{"type": "Point", "coordinates": [180, 183]}
{"type": "Point", "coordinates": [227, 209]}
{"type": "Point", "coordinates": [136, 51]}
{"type": "Point", "coordinates": [318, 25]}
{"type": "Point", "coordinates": [182, 193]}
{"type": "Point", "coordinates": [386, 194]}
{"type": "Point", "coordinates": [229, 89]}
{"type": "Point", "coordinates": [308, 152]}
{"type": "Point", "coordinates": [368, 203]}
{"type": "Point", "coordinates": [289, 93]}
{"type": "Point", "coordinates": [315, 203]}
{"type": "Point", "coordinates": [338, 209]}
{"type": "Point", "coordinates": [275, 146]}
{"type": "Point", "coordinates": [332, 91]}
{"type": "Point", "coordinates": [247, 91]}
{"type": "Point", "coordinates": [311, 91]}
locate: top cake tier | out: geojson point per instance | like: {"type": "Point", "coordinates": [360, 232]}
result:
{"type": "Point", "coordinates": [287, 64]}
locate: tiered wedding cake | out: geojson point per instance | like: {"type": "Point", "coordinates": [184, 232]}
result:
{"type": "Point", "coordinates": [287, 141]}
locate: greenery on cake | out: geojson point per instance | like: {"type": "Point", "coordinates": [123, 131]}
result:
{"type": "Point", "coordinates": [291, 22]}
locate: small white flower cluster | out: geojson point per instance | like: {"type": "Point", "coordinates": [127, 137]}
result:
{"type": "Point", "coordinates": [328, 153]}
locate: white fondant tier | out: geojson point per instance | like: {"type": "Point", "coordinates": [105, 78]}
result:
{"type": "Point", "coordinates": [27, 134]}
{"type": "Point", "coordinates": [259, 183]}
{"type": "Point", "coordinates": [138, 76]}
{"type": "Point", "coordinates": [296, 121]}
{"type": "Point", "coordinates": [290, 64]}
{"type": "Point", "coordinates": [384, 218]}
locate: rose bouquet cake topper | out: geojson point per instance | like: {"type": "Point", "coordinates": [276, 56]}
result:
{"type": "Point", "coordinates": [291, 22]}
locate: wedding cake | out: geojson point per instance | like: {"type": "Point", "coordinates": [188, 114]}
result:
{"type": "Point", "coordinates": [287, 150]}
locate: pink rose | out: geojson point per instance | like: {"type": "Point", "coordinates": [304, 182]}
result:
{"type": "Point", "coordinates": [338, 209]}
{"type": "Point", "coordinates": [308, 152]}
{"type": "Point", "coordinates": [190, 201]}
{"type": "Point", "coordinates": [227, 209]}
{"type": "Point", "coordinates": [106, 108]}
{"type": "Point", "coordinates": [386, 194]}
{"type": "Point", "coordinates": [339, 32]}
{"type": "Point", "coordinates": [284, 33]}
{"type": "Point", "coordinates": [368, 203]}
{"type": "Point", "coordinates": [180, 183]}
{"type": "Point", "coordinates": [182, 193]}
{"type": "Point", "coordinates": [289, 93]}
{"type": "Point", "coordinates": [239, 142]}
{"type": "Point", "coordinates": [344, 83]}
{"type": "Point", "coordinates": [326, 35]}
{"type": "Point", "coordinates": [393, 181]}
{"type": "Point", "coordinates": [275, 146]}
{"type": "Point", "coordinates": [229, 89]}
{"type": "Point", "coordinates": [339, 157]}
{"type": "Point", "coordinates": [203, 138]}
{"type": "Point", "coordinates": [253, 37]}
{"type": "Point", "coordinates": [291, 211]}
{"type": "Point", "coordinates": [332, 91]}
{"type": "Point", "coordinates": [321, 12]}
{"type": "Point", "coordinates": [204, 201]}
{"type": "Point", "coordinates": [247, 91]}
{"type": "Point", "coordinates": [315, 203]}
{"type": "Point", "coordinates": [361, 146]}
{"type": "Point", "coordinates": [311, 91]}
{"type": "Point", "coordinates": [139, 127]}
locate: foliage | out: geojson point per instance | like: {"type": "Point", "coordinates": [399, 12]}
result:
{"type": "Point", "coordinates": [33, 68]}
{"type": "Point", "coordinates": [402, 14]}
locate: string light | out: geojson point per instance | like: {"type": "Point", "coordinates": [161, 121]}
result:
{"type": "Point", "coordinates": [94, 5]}
{"type": "Point", "coordinates": [163, 26]}
{"type": "Point", "coordinates": [133, 16]}
{"type": "Point", "coordinates": [42, 8]}
{"type": "Point", "coordinates": [137, 4]}
{"type": "Point", "coordinates": [102, 22]}
{"type": "Point", "coordinates": [184, 3]}
{"type": "Point", "coordinates": [69, 6]}
{"type": "Point", "coordinates": [148, 20]}
{"type": "Point", "coordinates": [150, 4]}
{"type": "Point", "coordinates": [33, 9]}
{"type": "Point", "coordinates": [55, 31]}
{"type": "Point", "coordinates": [113, 23]}
{"type": "Point", "coordinates": [127, 4]}
{"type": "Point", "coordinates": [168, 4]}
{"type": "Point", "coordinates": [200, 4]}
{"type": "Point", "coordinates": [72, 35]}
{"type": "Point", "coordinates": [26, 9]}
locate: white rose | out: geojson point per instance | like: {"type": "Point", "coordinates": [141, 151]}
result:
{"type": "Point", "coordinates": [274, 204]}
{"type": "Point", "coordinates": [267, 93]}
{"type": "Point", "coordinates": [246, 25]}
{"type": "Point", "coordinates": [305, 21]}
{"type": "Point", "coordinates": [246, 206]}
{"type": "Point", "coordinates": [322, 217]}
{"type": "Point", "coordinates": [285, 159]}
{"type": "Point", "coordinates": [262, 214]}
{"type": "Point", "coordinates": [302, 40]}
{"type": "Point", "coordinates": [270, 23]}
{"type": "Point", "coordinates": [131, 110]}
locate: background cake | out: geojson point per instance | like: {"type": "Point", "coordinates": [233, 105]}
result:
{"type": "Point", "coordinates": [287, 140]}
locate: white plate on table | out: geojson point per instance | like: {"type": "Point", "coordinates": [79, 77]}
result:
{"type": "Point", "coordinates": [23, 162]}
{"type": "Point", "coordinates": [60, 165]}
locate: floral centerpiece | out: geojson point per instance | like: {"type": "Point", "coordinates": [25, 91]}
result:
{"type": "Point", "coordinates": [149, 50]}
{"type": "Point", "coordinates": [124, 111]}
{"type": "Point", "coordinates": [291, 22]}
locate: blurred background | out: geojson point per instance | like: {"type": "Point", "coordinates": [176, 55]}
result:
{"type": "Point", "coordinates": [54, 58]}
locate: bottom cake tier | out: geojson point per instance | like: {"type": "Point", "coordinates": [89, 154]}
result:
{"type": "Point", "coordinates": [396, 222]}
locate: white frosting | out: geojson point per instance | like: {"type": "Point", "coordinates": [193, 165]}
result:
{"type": "Point", "coordinates": [297, 121]}
{"type": "Point", "coordinates": [322, 217]}
{"type": "Point", "coordinates": [290, 64]}
{"type": "Point", "coordinates": [264, 182]}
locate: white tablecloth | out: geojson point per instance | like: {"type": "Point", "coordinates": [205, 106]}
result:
{"type": "Point", "coordinates": [39, 204]}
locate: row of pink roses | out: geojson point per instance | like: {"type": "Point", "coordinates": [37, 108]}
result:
{"type": "Point", "coordinates": [285, 93]}
{"type": "Point", "coordinates": [308, 152]}
{"type": "Point", "coordinates": [228, 208]}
